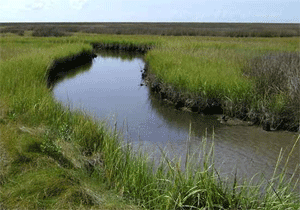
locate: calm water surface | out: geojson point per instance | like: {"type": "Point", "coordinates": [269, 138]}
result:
{"type": "Point", "coordinates": [110, 89]}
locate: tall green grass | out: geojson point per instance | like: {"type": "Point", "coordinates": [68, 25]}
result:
{"type": "Point", "coordinates": [209, 73]}
{"type": "Point", "coordinates": [61, 159]}
{"type": "Point", "coordinates": [45, 144]}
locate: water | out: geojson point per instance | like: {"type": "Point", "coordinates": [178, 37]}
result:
{"type": "Point", "coordinates": [110, 89]}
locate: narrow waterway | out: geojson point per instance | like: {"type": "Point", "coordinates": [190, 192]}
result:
{"type": "Point", "coordinates": [110, 88]}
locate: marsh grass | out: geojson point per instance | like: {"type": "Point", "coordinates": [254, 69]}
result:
{"type": "Point", "coordinates": [202, 72]}
{"type": "Point", "coordinates": [59, 159]}
{"type": "Point", "coordinates": [45, 144]}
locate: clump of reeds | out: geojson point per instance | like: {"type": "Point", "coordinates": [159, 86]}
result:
{"type": "Point", "coordinates": [277, 81]}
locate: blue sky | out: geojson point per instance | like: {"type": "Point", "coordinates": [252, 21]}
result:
{"type": "Point", "coordinates": [266, 11]}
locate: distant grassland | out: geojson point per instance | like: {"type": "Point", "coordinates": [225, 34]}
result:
{"type": "Point", "coordinates": [56, 159]}
{"type": "Point", "coordinates": [164, 29]}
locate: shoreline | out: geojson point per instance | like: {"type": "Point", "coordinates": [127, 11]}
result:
{"type": "Point", "coordinates": [181, 99]}
{"type": "Point", "coordinates": [213, 106]}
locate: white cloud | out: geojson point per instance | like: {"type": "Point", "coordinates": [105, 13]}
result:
{"type": "Point", "coordinates": [37, 4]}
{"type": "Point", "coordinates": [77, 4]}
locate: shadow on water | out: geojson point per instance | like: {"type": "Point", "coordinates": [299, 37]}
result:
{"type": "Point", "coordinates": [111, 86]}
{"type": "Point", "coordinates": [61, 76]}
{"type": "Point", "coordinates": [200, 123]}
{"type": "Point", "coordinates": [62, 66]}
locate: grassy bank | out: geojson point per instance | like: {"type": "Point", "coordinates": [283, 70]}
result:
{"type": "Point", "coordinates": [53, 158]}
{"type": "Point", "coordinates": [229, 76]}
{"type": "Point", "coordinates": [48, 149]}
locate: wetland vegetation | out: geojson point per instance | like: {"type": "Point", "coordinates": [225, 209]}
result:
{"type": "Point", "coordinates": [55, 158]}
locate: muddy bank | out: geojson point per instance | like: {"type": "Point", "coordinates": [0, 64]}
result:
{"type": "Point", "coordinates": [233, 114]}
{"type": "Point", "coordinates": [181, 100]}
{"type": "Point", "coordinates": [62, 66]}
{"type": "Point", "coordinates": [121, 47]}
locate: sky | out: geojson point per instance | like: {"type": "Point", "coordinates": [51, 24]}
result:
{"type": "Point", "coordinates": [262, 11]}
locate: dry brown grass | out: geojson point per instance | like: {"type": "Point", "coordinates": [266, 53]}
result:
{"type": "Point", "coordinates": [277, 82]}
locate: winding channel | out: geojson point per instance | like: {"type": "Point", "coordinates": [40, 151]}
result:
{"type": "Point", "coordinates": [110, 88]}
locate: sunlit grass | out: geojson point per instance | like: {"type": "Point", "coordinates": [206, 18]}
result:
{"type": "Point", "coordinates": [209, 73]}
{"type": "Point", "coordinates": [211, 65]}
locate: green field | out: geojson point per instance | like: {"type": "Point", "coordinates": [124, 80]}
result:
{"type": "Point", "coordinates": [54, 158]}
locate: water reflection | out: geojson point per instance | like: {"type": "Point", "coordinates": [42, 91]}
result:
{"type": "Point", "coordinates": [110, 89]}
{"type": "Point", "coordinates": [247, 148]}
{"type": "Point", "coordinates": [58, 77]}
